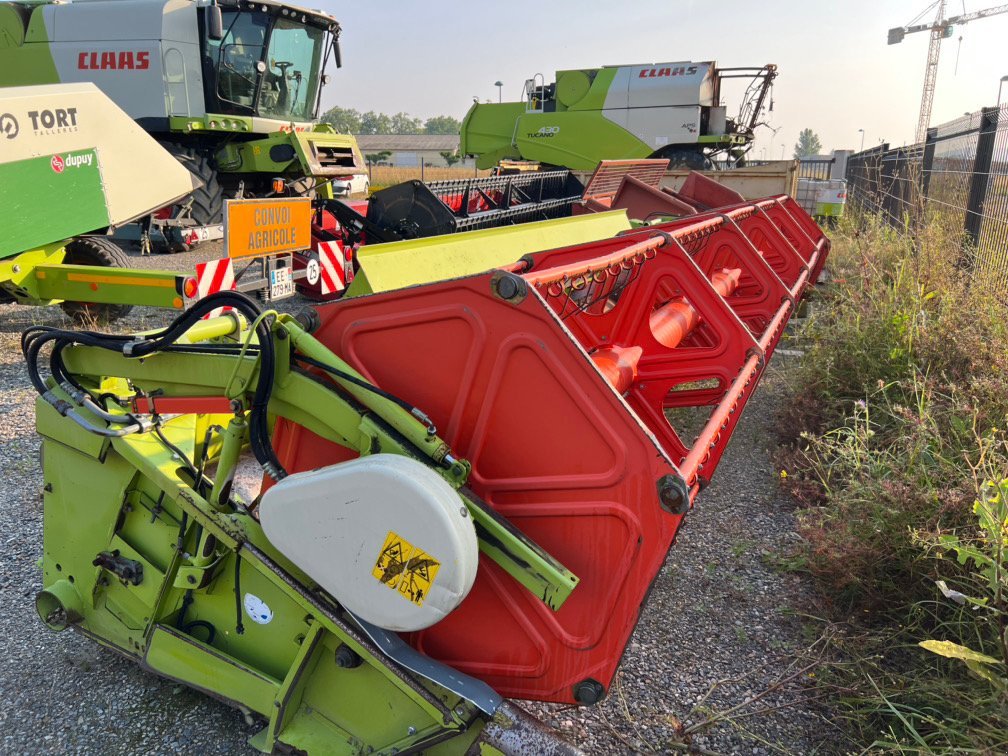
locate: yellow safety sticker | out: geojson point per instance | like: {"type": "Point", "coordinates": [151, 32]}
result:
{"type": "Point", "coordinates": [405, 568]}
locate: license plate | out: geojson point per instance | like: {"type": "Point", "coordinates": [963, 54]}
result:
{"type": "Point", "coordinates": [281, 283]}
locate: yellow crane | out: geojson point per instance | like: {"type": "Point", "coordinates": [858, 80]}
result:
{"type": "Point", "coordinates": [940, 28]}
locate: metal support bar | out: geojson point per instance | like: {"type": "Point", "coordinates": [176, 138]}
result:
{"type": "Point", "coordinates": [981, 173]}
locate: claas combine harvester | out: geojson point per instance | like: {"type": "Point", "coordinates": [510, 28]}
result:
{"type": "Point", "coordinates": [471, 475]}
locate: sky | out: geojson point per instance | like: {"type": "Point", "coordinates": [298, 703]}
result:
{"type": "Point", "coordinates": [836, 72]}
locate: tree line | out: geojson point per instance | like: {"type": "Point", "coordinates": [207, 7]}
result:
{"type": "Point", "coordinates": [351, 121]}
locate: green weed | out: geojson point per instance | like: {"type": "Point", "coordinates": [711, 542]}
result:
{"type": "Point", "coordinates": [895, 428]}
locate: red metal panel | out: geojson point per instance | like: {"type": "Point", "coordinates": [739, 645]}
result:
{"type": "Point", "coordinates": [560, 397]}
{"type": "Point", "coordinates": [609, 175]}
{"type": "Point", "coordinates": [707, 193]}
{"type": "Point", "coordinates": [554, 449]}
{"type": "Point", "coordinates": [642, 202]}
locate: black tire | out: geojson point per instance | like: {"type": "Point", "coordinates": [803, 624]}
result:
{"type": "Point", "coordinates": [205, 204]}
{"type": "Point", "coordinates": [102, 252]}
{"type": "Point", "coordinates": [684, 157]}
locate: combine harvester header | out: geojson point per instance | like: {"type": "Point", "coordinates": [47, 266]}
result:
{"type": "Point", "coordinates": [471, 484]}
{"type": "Point", "coordinates": [557, 379]}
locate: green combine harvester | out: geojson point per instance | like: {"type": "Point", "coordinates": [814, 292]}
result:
{"type": "Point", "coordinates": [230, 88]}
{"type": "Point", "coordinates": [651, 110]}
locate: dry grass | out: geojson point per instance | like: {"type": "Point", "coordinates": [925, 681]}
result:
{"type": "Point", "coordinates": [384, 175]}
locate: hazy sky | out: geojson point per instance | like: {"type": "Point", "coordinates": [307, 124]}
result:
{"type": "Point", "coordinates": [837, 74]}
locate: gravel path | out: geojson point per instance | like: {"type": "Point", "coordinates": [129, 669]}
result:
{"type": "Point", "coordinates": [720, 626]}
{"type": "Point", "coordinates": [717, 612]}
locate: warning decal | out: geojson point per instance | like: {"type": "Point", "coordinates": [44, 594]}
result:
{"type": "Point", "coordinates": [405, 568]}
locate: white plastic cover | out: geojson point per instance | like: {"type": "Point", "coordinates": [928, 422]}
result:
{"type": "Point", "coordinates": [385, 535]}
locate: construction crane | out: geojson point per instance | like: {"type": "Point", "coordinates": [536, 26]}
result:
{"type": "Point", "coordinates": [940, 28]}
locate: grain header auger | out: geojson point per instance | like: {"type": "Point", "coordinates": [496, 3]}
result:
{"type": "Point", "coordinates": [470, 484]}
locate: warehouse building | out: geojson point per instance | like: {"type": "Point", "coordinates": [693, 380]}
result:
{"type": "Point", "coordinates": [407, 150]}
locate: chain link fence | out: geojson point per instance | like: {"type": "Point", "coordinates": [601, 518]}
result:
{"type": "Point", "coordinates": [958, 178]}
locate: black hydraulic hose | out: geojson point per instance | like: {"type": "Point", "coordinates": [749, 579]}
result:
{"type": "Point", "coordinates": [35, 338]}
{"type": "Point", "coordinates": [356, 381]}
{"type": "Point", "coordinates": [343, 375]}
{"type": "Point", "coordinates": [239, 627]}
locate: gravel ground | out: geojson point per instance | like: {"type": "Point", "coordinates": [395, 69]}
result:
{"type": "Point", "coordinates": [718, 618]}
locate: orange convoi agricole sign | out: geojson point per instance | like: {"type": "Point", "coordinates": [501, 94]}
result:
{"type": "Point", "coordinates": [267, 226]}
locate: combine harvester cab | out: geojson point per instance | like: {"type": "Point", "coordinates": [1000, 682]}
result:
{"type": "Point", "coordinates": [473, 474]}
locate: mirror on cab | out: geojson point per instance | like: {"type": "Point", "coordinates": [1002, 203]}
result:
{"type": "Point", "coordinates": [215, 22]}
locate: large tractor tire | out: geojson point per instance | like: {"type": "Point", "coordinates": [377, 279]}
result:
{"type": "Point", "coordinates": [101, 252]}
{"type": "Point", "coordinates": [684, 157]}
{"type": "Point", "coordinates": [205, 205]}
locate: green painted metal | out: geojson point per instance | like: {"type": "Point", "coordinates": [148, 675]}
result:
{"type": "Point", "coordinates": [254, 156]}
{"type": "Point", "coordinates": [395, 265]}
{"type": "Point", "coordinates": [722, 139]}
{"type": "Point", "coordinates": [28, 219]}
{"type": "Point", "coordinates": [591, 115]}
{"type": "Point", "coordinates": [300, 151]}
{"type": "Point", "coordinates": [17, 274]}
{"type": "Point", "coordinates": [599, 85]}
{"type": "Point", "coordinates": [100, 285]}
{"type": "Point", "coordinates": [22, 62]}
{"type": "Point", "coordinates": [214, 328]}
{"type": "Point", "coordinates": [182, 657]}
{"type": "Point", "coordinates": [39, 277]}
{"type": "Point", "coordinates": [133, 501]}
{"type": "Point", "coordinates": [587, 137]}
{"type": "Point", "coordinates": [481, 131]}
{"type": "Point", "coordinates": [187, 617]}
{"type": "Point", "coordinates": [522, 559]}
{"type": "Point", "coordinates": [211, 122]}
{"type": "Point", "coordinates": [234, 434]}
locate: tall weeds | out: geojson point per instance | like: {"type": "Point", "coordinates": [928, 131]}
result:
{"type": "Point", "coordinates": [896, 436]}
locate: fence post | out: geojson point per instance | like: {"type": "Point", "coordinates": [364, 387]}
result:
{"type": "Point", "coordinates": [887, 172]}
{"type": "Point", "coordinates": [919, 185]}
{"type": "Point", "coordinates": [927, 163]}
{"type": "Point", "coordinates": [981, 174]}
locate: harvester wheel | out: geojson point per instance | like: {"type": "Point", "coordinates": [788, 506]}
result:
{"type": "Point", "coordinates": [102, 252]}
{"type": "Point", "coordinates": [205, 204]}
{"type": "Point", "coordinates": [680, 157]}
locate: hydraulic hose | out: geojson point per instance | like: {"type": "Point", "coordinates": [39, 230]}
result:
{"type": "Point", "coordinates": [34, 339]}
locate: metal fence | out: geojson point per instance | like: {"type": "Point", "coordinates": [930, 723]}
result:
{"type": "Point", "coordinates": [958, 178]}
{"type": "Point", "coordinates": [815, 168]}
{"type": "Point", "coordinates": [810, 168]}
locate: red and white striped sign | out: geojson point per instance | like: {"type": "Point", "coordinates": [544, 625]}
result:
{"type": "Point", "coordinates": [213, 276]}
{"type": "Point", "coordinates": [336, 267]}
